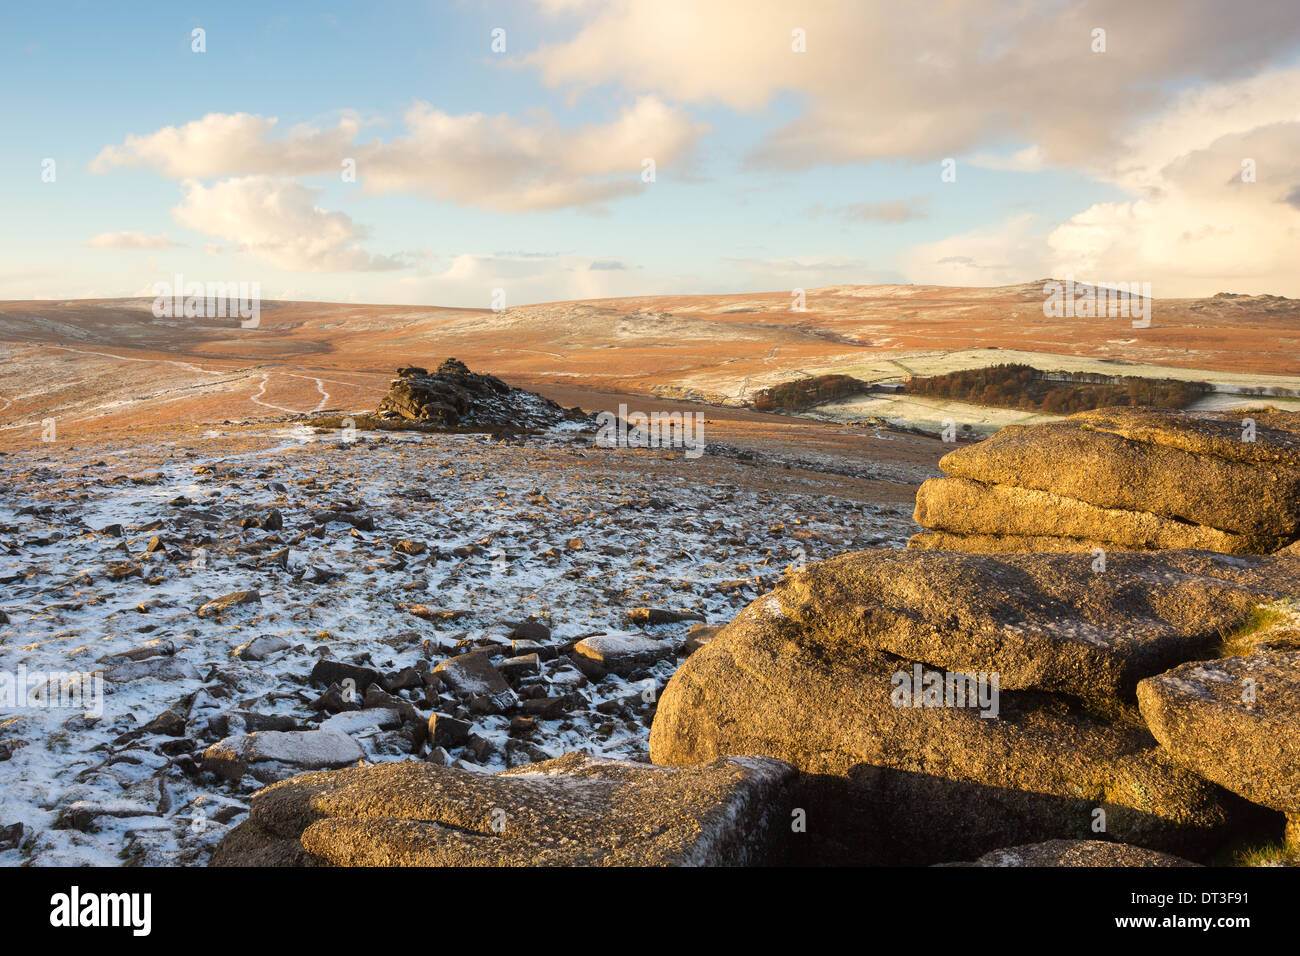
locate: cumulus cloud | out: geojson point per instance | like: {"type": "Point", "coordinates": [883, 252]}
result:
{"type": "Point", "coordinates": [131, 241]}
{"type": "Point", "coordinates": [233, 144]}
{"type": "Point", "coordinates": [494, 162]}
{"type": "Point", "coordinates": [277, 219]}
{"type": "Point", "coordinates": [1201, 229]}
{"type": "Point", "coordinates": [880, 81]}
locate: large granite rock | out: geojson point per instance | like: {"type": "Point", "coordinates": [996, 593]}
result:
{"type": "Point", "coordinates": [1041, 621]}
{"type": "Point", "coordinates": [1236, 720]}
{"type": "Point", "coordinates": [453, 396]}
{"type": "Point", "coordinates": [1074, 853]}
{"type": "Point", "coordinates": [574, 810]}
{"type": "Point", "coordinates": [810, 674]}
{"type": "Point", "coordinates": [1276, 434]}
{"type": "Point", "coordinates": [1121, 478]}
{"type": "Point", "coordinates": [1003, 543]}
{"type": "Point", "coordinates": [967, 507]}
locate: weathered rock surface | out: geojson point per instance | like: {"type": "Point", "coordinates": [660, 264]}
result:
{"type": "Point", "coordinates": [1121, 478]}
{"type": "Point", "coordinates": [1003, 543]}
{"type": "Point", "coordinates": [1075, 853]}
{"type": "Point", "coordinates": [967, 507]}
{"type": "Point", "coordinates": [830, 643]}
{"type": "Point", "coordinates": [453, 396]}
{"type": "Point", "coordinates": [1276, 433]}
{"type": "Point", "coordinates": [573, 810]}
{"type": "Point", "coordinates": [1179, 466]}
{"type": "Point", "coordinates": [1041, 621]}
{"type": "Point", "coordinates": [1235, 720]}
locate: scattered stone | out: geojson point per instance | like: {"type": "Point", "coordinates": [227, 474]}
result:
{"type": "Point", "coordinates": [155, 668]}
{"type": "Point", "coordinates": [168, 723]}
{"type": "Point", "coordinates": [699, 636]}
{"type": "Point", "coordinates": [11, 837]}
{"type": "Point", "coordinates": [84, 815]}
{"type": "Point", "coordinates": [329, 672]}
{"type": "Point", "coordinates": [621, 654]}
{"type": "Point", "coordinates": [655, 615]}
{"type": "Point", "coordinates": [530, 630]}
{"type": "Point", "coordinates": [474, 676]}
{"type": "Point", "coordinates": [260, 648]}
{"type": "Point", "coordinates": [271, 755]}
{"type": "Point", "coordinates": [518, 668]}
{"type": "Point", "coordinates": [228, 601]}
{"type": "Point", "coordinates": [447, 731]}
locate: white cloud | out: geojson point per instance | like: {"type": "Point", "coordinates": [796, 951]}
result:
{"type": "Point", "coordinates": [131, 240]}
{"type": "Point", "coordinates": [233, 144]}
{"type": "Point", "coordinates": [1006, 253]}
{"type": "Point", "coordinates": [885, 80]}
{"type": "Point", "coordinates": [277, 220]}
{"type": "Point", "coordinates": [494, 162]}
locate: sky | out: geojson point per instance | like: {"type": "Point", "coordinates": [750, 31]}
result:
{"type": "Point", "coordinates": [486, 153]}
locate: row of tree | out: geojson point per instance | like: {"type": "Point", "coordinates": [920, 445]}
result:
{"type": "Point", "coordinates": [1024, 387]}
{"type": "Point", "coordinates": [807, 393]}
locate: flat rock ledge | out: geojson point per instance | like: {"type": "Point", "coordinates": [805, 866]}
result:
{"type": "Point", "coordinates": [1121, 478]}
{"type": "Point", "coordinates": [575, 810]}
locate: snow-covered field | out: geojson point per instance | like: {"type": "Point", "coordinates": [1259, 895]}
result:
{"type": "Point", "coordinates": [495, 532]}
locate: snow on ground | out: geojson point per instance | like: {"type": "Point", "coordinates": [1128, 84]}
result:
{"type": "Point", "coordinates": [550, 527]}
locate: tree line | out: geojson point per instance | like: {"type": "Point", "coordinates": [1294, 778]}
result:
{"type": "Point", "coordinates": [1024, 387]}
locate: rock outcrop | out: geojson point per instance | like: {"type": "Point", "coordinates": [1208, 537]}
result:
{"type": "Point", "coordinates": [852, 671]}
{"type": "Point", "coordinates": [573, 810]}
{"type": "Point", "coordinates": [454, 397]}
{"type": "Point", "coordinates": [1236, 720]}
{"type": "Point", "coordinates": [1121, 478]}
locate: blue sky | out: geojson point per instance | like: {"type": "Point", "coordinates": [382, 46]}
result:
{"type": "Point", "coordinates": [775, 168]}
